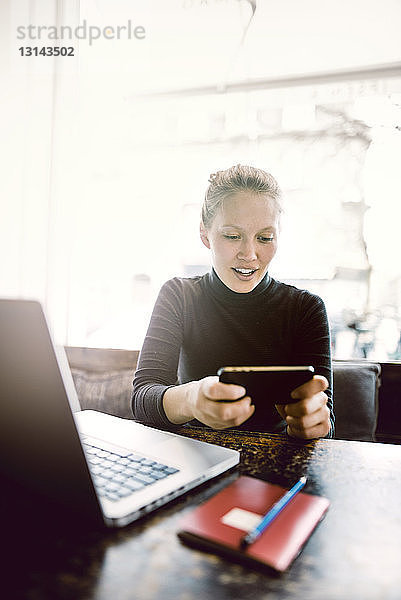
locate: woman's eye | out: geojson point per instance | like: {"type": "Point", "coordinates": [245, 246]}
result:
{"type": "Point", "coordinates": [231, 237]}
{"type": "Point", "coordinates": [266, 239]}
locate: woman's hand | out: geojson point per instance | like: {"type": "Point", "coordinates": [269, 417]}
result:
{"type": "Point", "coordinates": [309, 417]}
{"type": "Point", "coordinates": [209, 407]}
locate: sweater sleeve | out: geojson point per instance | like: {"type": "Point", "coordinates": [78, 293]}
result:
{"type": "Point", "coordinates": [158, 360]}
{"type": "Point", "coordinates": [313, 343]}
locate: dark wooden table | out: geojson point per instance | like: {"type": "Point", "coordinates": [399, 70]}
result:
{"type": "Point", "coordinates": [355, 553]}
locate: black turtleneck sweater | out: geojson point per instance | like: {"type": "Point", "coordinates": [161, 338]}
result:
{"type": "Point", "coordinates": [199, 325]}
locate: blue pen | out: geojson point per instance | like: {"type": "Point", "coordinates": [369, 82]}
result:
{"type": "Point", "coordinates": [253, 535]}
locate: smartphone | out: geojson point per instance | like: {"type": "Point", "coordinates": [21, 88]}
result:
{"type": "Point", "coordinates": [267, 385]}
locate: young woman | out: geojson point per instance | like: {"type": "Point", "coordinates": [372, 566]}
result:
{"type": "Point", "coordinates": [235, 315]}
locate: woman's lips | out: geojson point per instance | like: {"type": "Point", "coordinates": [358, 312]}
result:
{"type": "Point", "coordinates": [244, 274]}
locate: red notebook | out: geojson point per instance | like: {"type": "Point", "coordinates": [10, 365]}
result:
{"type": "Point", "coordinates": [220, 523]}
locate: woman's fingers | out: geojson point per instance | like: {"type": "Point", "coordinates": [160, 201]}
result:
{"type": "Point", "coordinates": [309, 417]}
{"type": "Point", "coordinates": [222, 405]}
{"type": "Point", "coordinates": [318, 383]}
{"type": "Point", "coordinates": [216, 390]}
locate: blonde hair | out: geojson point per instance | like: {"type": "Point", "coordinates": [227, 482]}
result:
{"type": "Point", "coordinates": [239, 178]}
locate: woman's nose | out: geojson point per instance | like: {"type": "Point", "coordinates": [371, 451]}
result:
{"type": "Point", "coordinates": [247, 251]}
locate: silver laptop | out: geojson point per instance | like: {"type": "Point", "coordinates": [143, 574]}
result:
{"type": "Point", "coordinates": [90, 466]}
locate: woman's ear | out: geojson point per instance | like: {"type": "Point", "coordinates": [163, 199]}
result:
{"type": "Point", "coordinates": [203, 235]}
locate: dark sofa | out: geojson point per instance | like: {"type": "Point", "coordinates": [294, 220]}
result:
{"type": "Point", "coordinates": [103, 380]}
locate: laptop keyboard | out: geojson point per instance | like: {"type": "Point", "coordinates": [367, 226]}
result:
{"type": "Point", "coordinates": [117, 476]}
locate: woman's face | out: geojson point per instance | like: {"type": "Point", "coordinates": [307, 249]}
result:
{"type": "Point", "coordinates": [243, 240]}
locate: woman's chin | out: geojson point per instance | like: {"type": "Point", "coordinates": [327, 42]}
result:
{"type": "Point", "coordinates": [242, 284]}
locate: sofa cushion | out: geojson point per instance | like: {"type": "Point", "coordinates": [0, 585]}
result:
{"type": "Point", "coordinates": [103, 378]}
{"type": "Point", "coordinates": [108, 392]}
{"type": "Point", "coordinates": [356, 386]}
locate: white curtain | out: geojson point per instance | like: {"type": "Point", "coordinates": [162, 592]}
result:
{"type": "Point", "coordinates": [38, 158]}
